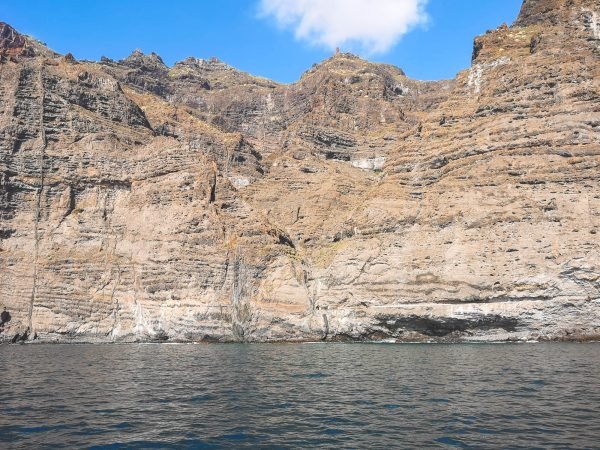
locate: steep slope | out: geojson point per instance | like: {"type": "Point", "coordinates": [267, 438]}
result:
{"type": "Point", "coordinates": [111, 229]}
{"type": "Point", "coordinates": [338, 106]}
{"type": "Point", "coordinates": [486, 221]}
{"type": "Point", "coordinates": [197, 202]}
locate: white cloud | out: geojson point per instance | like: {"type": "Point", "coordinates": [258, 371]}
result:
{"type": "Point", "coordinates": [374, 26]}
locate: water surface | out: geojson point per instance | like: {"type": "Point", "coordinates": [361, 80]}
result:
{"type": "Point", "coordinates": [290, 396]}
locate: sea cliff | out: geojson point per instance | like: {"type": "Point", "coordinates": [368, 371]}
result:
{"type": "Point", "coordinates": [196, 202]}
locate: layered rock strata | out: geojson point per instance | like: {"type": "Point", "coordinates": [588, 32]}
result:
{"type": "Point", "coordinates": [199, 203]}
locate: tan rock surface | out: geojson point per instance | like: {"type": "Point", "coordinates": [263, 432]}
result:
{"type": "Point", "coordinates": [142, 202]}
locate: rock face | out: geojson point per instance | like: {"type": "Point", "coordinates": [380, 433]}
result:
{"type": "Point", "coordinates": [199, 203]}
{"type": "Point", "coordinates": [11, 42]}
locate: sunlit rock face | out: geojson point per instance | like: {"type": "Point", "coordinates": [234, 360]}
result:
{"type": "Point", "coordinates": [199, 203]}
{"type": "Point", "coordinates": [555, 12]}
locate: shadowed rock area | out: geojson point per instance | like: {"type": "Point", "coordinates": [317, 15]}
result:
{"type": "Point", "coordinates": [141, 202]}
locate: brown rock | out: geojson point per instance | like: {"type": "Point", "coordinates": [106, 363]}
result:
{"type": "Point", "coordinates": [11, 42]}
{"type": "Point", "coordinates": [198, 202]}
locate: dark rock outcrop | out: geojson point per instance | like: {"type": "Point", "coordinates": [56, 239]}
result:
{"type": "Point", "coordinates": [11, 42]}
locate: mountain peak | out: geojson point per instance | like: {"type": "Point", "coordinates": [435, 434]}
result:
{"type": "Point", "coordinates": [349, 64]}
{"type": "Point", "coordinates": [139, 59]}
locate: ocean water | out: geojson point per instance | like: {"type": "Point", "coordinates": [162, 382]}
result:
{"type": "Point", "coordinates": [300, 396]}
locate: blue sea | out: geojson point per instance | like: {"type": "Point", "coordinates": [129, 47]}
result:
{"type": "Point", "coordinates": [279, 396]}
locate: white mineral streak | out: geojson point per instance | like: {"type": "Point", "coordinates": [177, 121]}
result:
{"type": "Point", "coordinates": [477, 72]}
{"type": "Point", "coordinates": [369, 163]}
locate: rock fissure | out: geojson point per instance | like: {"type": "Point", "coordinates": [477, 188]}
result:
{"type": "Point", "coordinates": [38, 202]}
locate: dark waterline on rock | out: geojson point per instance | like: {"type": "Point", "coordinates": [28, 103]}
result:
{"type": "Point", "coordinates": [290, 396]}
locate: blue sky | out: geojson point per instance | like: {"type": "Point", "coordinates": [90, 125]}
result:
{"type": "Point", "coordinates": [242, 34]}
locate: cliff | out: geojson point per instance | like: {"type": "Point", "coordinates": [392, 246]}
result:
{"type": "Point", "coordinates": [200, 203]}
